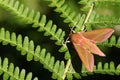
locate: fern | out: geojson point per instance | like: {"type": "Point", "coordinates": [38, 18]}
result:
{"type": "Point", "coordinates": [13, 73]}
{"type": "Point", "coordinates": [32, 17]}
{"type": "Point", "coordinates": [39, 21]}
{"type": "Point", "coordinates": [83, 18]}
{"type": "Point", "coordinates": [107, 68]}
{"type": "Point", "coordinates": [86, 5]}
{"type": "Point", "coordinates": [70, 16]}
{"type": "Point", "coordinates": [33, 53]}
{"type": "Point", "coordinates": [104, 2]}
{"type": "Point", "coordinates": [102, 19]}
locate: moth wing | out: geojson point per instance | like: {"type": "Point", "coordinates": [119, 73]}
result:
{"type": "Point", "coordinates": [98, 35]}
{"type": "Point", "coordinates": [86, 57]}
{"type": "Point", "coordinates": [87, 44]}
{"type": "Point", "coordinates": [90, 46]}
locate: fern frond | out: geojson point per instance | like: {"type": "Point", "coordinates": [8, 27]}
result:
{"type": "Point", "coordinates": [96, 19]}
{"type": "Point", "coordinates": [107, 68]}
{"type": "Point", "coordinates": [107, 2]}
{"type": "Point", "coordinates": [33, 53]}
{"type": "Point", "coordinates": [73, 18]}
{"type": "Point", "coordinates": [13, 73]}
{"type": "Point", "coordinates": [31, 17]}
{"type": "Point", "coordinates": [86, 5]}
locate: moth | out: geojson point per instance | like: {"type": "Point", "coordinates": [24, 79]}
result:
{"type": "Point", "coordinates": [85, 45]}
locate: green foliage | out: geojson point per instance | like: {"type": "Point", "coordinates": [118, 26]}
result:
{"type": "Point", "coordinates": [70, 16]}
{"type": "Point", "coordinates": [83, 16]}
{"type": "Point", "coordinates": [13, 73]}
{"type": "Point", "coordinates": [33, 53]}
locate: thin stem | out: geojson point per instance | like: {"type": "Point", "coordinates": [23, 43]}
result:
{"type": "Point", "coordinates": [66, 69]}
{"type": "Point", "coordinates": [88, 15]}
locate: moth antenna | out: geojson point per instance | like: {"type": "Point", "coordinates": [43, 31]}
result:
{"type": "Point", "coordinates": [67, 40]}
{"type": "Point", "coordinates": [71, 32]}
